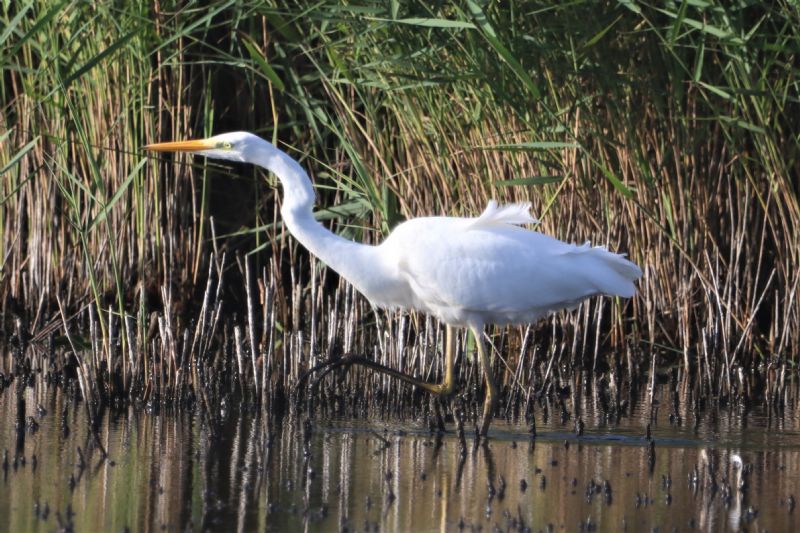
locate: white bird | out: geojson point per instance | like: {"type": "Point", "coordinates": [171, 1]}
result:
{"type": "Point", "coordinates": [467, 272]}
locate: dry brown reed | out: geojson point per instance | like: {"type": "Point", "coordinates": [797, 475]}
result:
{"type": "Point", "coordinates": [132, 268]}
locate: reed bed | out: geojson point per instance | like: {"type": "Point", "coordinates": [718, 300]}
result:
{"type": "Point", "coordinates": [666, 132]}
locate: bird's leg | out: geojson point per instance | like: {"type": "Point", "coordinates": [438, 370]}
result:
{"type": "Point", "coordinates": [443, 389]}
{"type": "Point", "coordinates": [448, 384]}
{"type": "Point", "coordinates": [491, 389]}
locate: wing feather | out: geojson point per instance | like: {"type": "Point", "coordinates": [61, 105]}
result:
{"type": "Point", "coordinates": [465, 271]}
{"type": "Point", "coordinates": [519, 213]}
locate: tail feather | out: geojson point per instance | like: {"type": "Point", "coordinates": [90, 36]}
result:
{"type": "Point", "coordinates": [623, 266]}
{"type": "Point", "coordinates": [615, 274]}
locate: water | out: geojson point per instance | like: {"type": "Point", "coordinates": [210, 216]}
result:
{"type": "Point", "coordinates": [168, 471]}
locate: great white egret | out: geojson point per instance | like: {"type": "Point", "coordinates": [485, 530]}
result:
{"type": "Point", "coordinates": [468, 272]}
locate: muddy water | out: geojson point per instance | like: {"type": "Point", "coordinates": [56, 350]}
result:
{"type": "Point", "coordinates": [166, 471]}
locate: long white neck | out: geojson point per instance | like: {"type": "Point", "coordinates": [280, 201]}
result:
{"type": "Point", "coordinates": [357, 263]}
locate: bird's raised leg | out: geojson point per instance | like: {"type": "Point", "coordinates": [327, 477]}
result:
{"type": "Point", "coordinates": [443, 389]}
{"type": "Point", "coordinates": [491, 389]}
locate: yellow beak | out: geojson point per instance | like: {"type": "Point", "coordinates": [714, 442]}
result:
{"type": "Point", "coordinates": [181, 146]}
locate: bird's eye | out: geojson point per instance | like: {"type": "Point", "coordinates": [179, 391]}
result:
{"type": "Point", "coordinates": [224, 145]}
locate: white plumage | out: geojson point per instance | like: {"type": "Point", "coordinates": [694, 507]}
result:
{"type": "Point", "coordinates": [468, 272]}
{"type": "Point", "coordinates": [476, 271]}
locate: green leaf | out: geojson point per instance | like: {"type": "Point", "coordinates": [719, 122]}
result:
{"type": "Point", "coordinates": [117, 195]}
{"type": "Point", "coordinates": [715, 90]}
{"type": "Point", "coordinates": [19, 155]}
{"type": "Point", "coordinates": [283, 27]}
{"type": "Point", "coordinates": [630, 4]}
{"type": "Point", "coordinates": [615, 181]}
{"type": "Point", "coordinates": [490, 35]}
{"type": "Point", "coordinates": [358, 207]}
{"type": "Point", "coordinates": [96, 60]}
{"type": "Point", "coordinates": [676, 26]}
{"type": "Point", "coordinates": [431, 23]}
{"type": "Point", "coordinates": [266, 69]}
{"type": "Point", "coordinates": [665, 201]}
{"type": "Point", "coordinates": [39, 24]}
{"type": "Point", "coordinates": [533, 180]}
{"type": "Point", "coordinates": [698, 65]}
{"type": "Point", "coordinates": [599, 35]}
{"type": "Point", "coordinates": [531, 146]}
{"type": "Point", "coordinates": [725, 35]}
{"type": "Point", "coordinates": [12, 25]}
{"type": "Point", "coordinates": [742, 124]}
{"type": "Point", "coordinates": [184, 32]}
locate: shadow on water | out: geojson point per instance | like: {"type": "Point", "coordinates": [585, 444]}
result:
{"type": "Point", "coordinates": [170, 471]}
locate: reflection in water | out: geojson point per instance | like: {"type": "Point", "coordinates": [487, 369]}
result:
{"type": "Point", "coordinates": [171, 471]}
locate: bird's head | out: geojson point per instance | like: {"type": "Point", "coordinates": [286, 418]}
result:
{"type": "Point", "coordinates": [235, 146]}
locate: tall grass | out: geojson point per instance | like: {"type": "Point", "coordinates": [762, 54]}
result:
{"type": "Point", "coordinates": [665, 131]}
